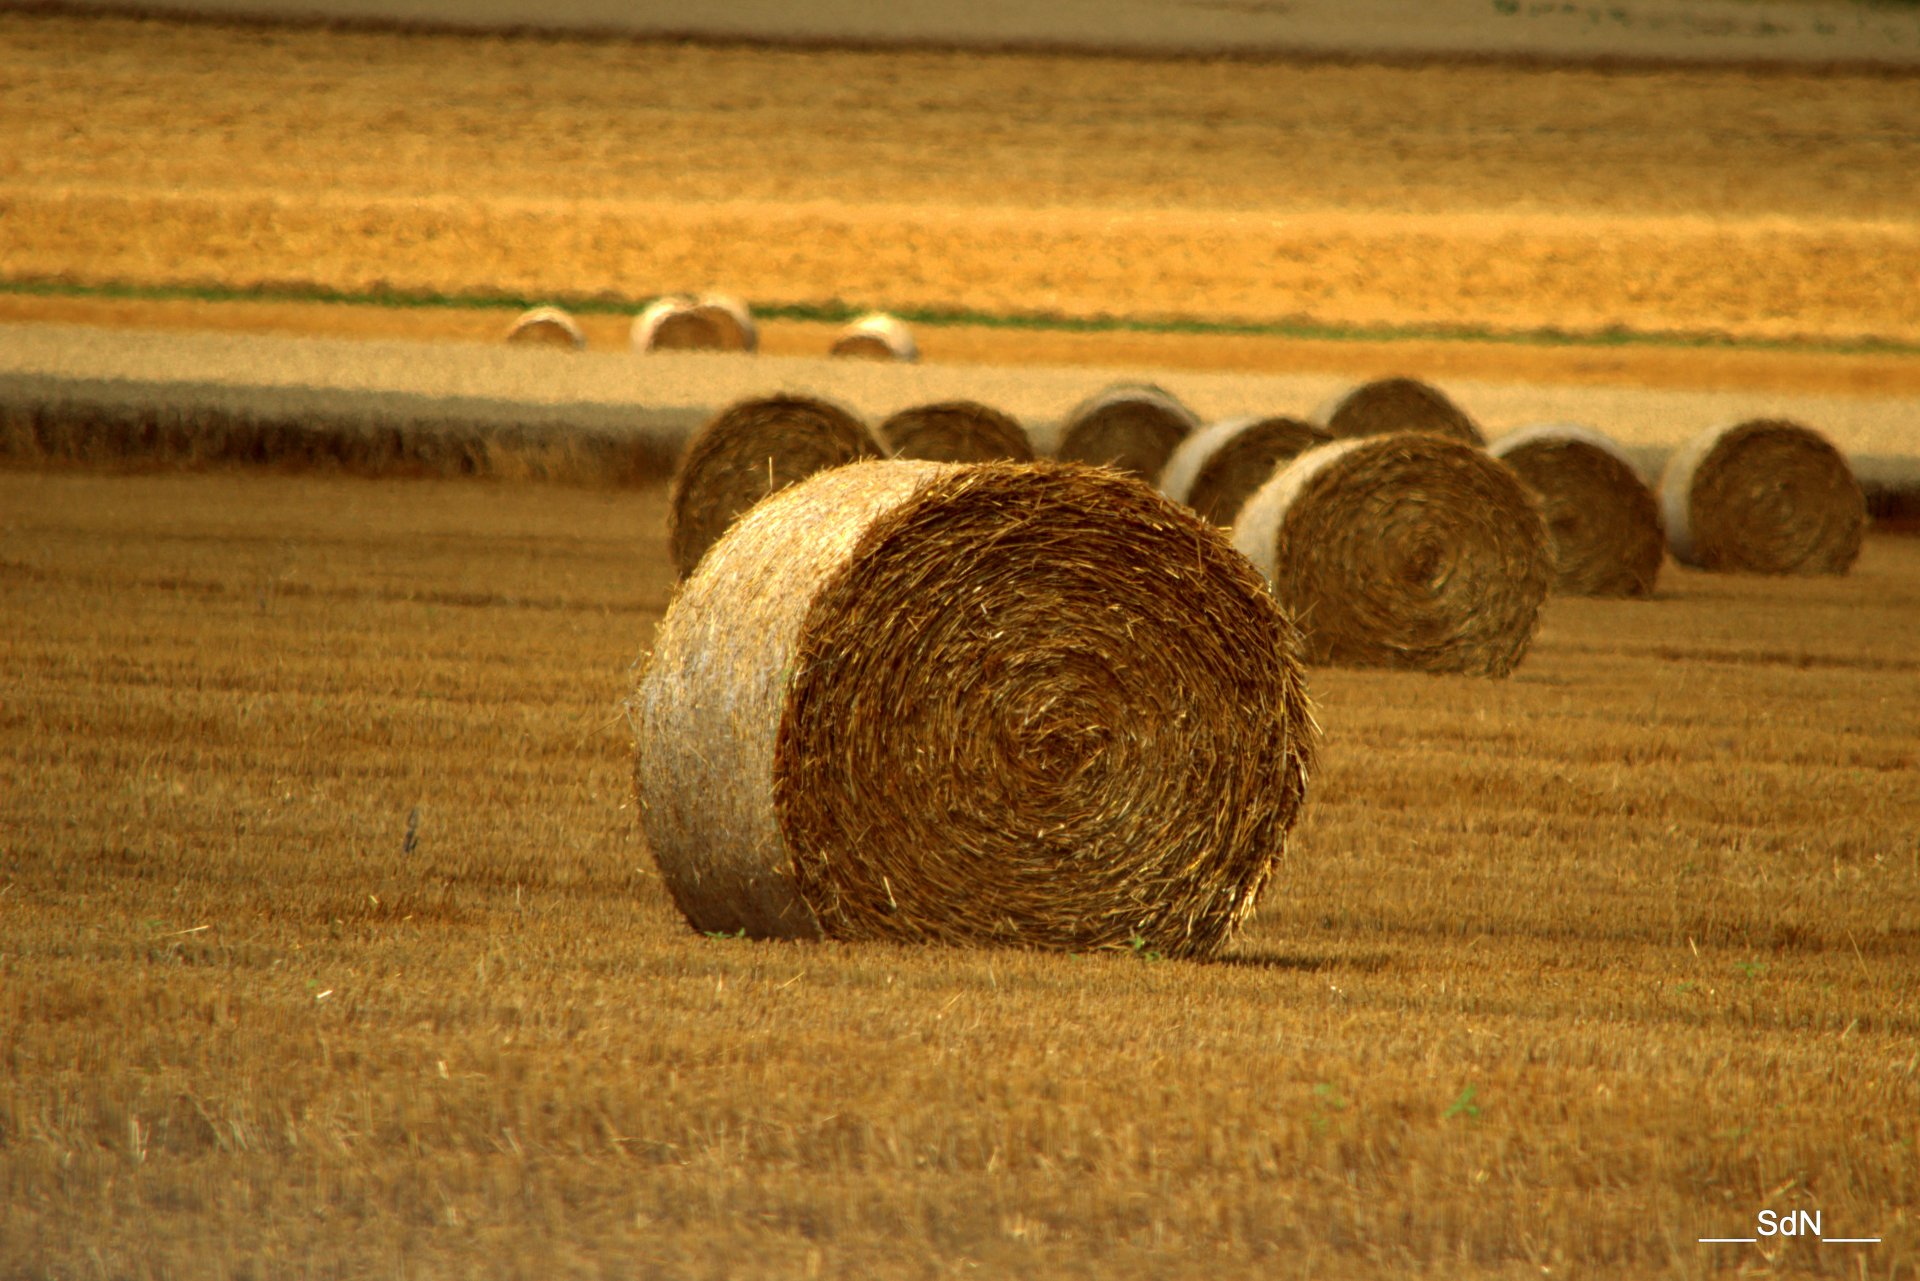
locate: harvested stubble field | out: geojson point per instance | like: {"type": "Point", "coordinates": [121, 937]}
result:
{"type": "Point", "coordinates": [328, 945]}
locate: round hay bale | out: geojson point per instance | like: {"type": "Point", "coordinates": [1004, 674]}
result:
{"type": "Point", "coordinates": [747, 451]}
{"type": "Point", "coordinates": [547, 327]}
{"type": "Point", "coordinates": [1411, 550]}
{"type": "Point", "coordinates": [876, 337]}
{"type": "Point", "coordinates": [675, 324]}
{"type": "Point", "coordinates": [1602, 519]}
{"type": "Point", "coordinates": [1216, 469]}
{"type": "Point", "coordinates": [955, 431]}
{"type": "Point", "coordinates": [1011, 704]}
{"type": "Point", "coordinates": [1765, 496]}
{"type": "Point", "coordinates": [731, 319]}
{"type": "Point", "coordinates": [1131, 426]}
{"type": "Point", "coordinates": [1388, 405]}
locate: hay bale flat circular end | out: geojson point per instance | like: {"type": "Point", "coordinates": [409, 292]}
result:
{"type": "Point", "coordinates": [1215, 470]}
{"type": "Point", "coordinates": [1010, 704]}
{"type": "Point", "coordinates": [1602, 519]}
{"type": "Point", "coordinates": [731, 319]}
{"type": "Point", "coordinates": [1130, 426]}
{"type": "Point", "coordinates": [547, 327]}
{"type": "Point", "coordinates": [1766, 496]}
{"type": "Point", "coordinates": [955, 431]}
{"type": "Point", "coordinates": [1388, 405]}
{"type": "Point", "coordinates": [747, 451]}
{"type": "Point", "coordinates": [675, 324]}
{"type": "Point", "coordinates": [876, 337]}
{"type": "Point", "coordinates": [1412, 551]}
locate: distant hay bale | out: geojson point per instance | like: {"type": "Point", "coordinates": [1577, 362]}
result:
{"type": "Point", "coordinates": [1411, 550]}
{"type": "Point", "coordinates": [676, 324]}
{"type": "Point", "coordinates": [1388, 405]}
{"type": "Point", "coordinates": [1766, 496]}
{"type": "Point", "coordinates": [955, 431]}
{"type": "Point", "coordinates": [1132, 426]}
{"type": "Point", "coordinates": [747, 451]}
{"type": "Point", "coordinates": [731, 319]}
{"type": "Point", "coordinates": [1216, 469]}
{"type": "Point", "coordinates": [1029, 705]}
{"type": "Point", "coordinates": [1602, 519]}
{"type": "Point", "coordinates": [547, 327]}
{"type": "Point", "coordinates": [876, 337]}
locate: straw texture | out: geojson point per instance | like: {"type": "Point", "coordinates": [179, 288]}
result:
{"type": "Point", "coordinates": [877, 336]}
{"type": "Point", "coordinates": [1388, 405]}
{"type": "Point", "coordinates": [1131, 426]}
{"type": "Point", "coordinates": [1010, 704]}
{"type": "Point", "coordinates": [547, 327]}
{"type": "Point", "coordinates": [1412, 551]}
{"type": "Point", "coordinates": [1215, 470]}
{"type": "Point", "coordinates": [1602, 519]}
{"type": "Point", "coordinates": [1767, 496]}
{"type": "Point", "coordinates": [747, 451]}
{"type": "Point", "coordinates": [955, 431]}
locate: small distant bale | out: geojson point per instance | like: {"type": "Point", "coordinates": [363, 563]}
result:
{"type": "Point", "coordinates": [676, 323]}
{"type": "Point", "coordinates": [1411, 550]}
{"type": "Point", "coordinates": [747, 451]}
{"type": "Point", "coordinates": [1388, 405]}
{"type": "Point", "coordinates": [1134, 427]}
{"type": "Point", "coordinates": [731, 319]}
{"type": "Point", "coordinates": [876, 337]}
{"type": "Point", "coordinates": [1021, 705]}
{"type": "Point", "coordinates": [1602, 518]}
{"type": "Point", "coordinates": [1215, 470]}
{"type": "Point", "coordinates": [547, 327]}
{"type": "Point", "coordinates": [1765, 496]}
{"type": "Point", "coordinates": [955, 431]}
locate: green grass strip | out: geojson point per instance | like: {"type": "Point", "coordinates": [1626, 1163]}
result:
{"type": "Point", "coordinates": [937, 317]}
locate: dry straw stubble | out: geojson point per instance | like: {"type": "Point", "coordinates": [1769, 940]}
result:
{"type": "Point", "coordinates": [877, 336]}
{"type": "Point", "coordinates": [547, 327]}
{"type": "Point", "coordinates": [1012, 704]}
{"type": "Point", "coordinates": [1215, 470]}
{"type": "Point", "coordinates": [1387, 405]}
{"type": "Point", "coordinates": [747, 451]}
{"type": "Point", "coordinates": [1410, 550]}
{"type": "Point", "coordinates": [1765, 496]}
{"type": "Point", "coordinates": [955, 431]}
{"type": "Point", "coordinates": [1601, 516]}
{"type": "Point", "coordinates": [1132, 426]}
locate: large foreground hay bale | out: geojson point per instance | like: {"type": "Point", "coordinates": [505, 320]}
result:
{"type": "Point", "coordinates": [1215, 470]}
{"type": "Point", "coordinates": [1766, 496]}
{"type": "Point", "coordinates": [1411, 550]}
{"type": "Point", "coordinates": [955, 431]}
{"type": "Point", "coordinates": [1388, 405]}
{"type": "Point", "coordinates": [1131, 426]}
{"type": "Point", "coordinates": [747, 451]}
{"type": "Point", "coordinates": [1602, 519]}
{"type": "Point", "coordinates": [547, 327]}
{"type": "Point", "coordinates": [877, 336]}
{"type": "Point", "coordinates": [1017, 704]}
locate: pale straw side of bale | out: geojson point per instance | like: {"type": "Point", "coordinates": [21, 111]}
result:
{"type": "Point", "coordinates": [1602, 518]}
{"type": "Point", "coordinates": [876, 336]}
{"type": "Point", "coordinates": [547, 327]}
{"type": "Point", "coordinates": [732, 319]}
{"type": "Point", "coordinates": [1216, 469]}
{"type": "Point", "coordinates": [675, 323]}
{"type": "Point", "coordinates": [1411, 550]}
{"type": "Point", "coordinates": [1388, 405]}
{"type": "Point", "coordinates": [1131, 426]}
{"type": "Point", "coordinates": [955, 431]}
{"type": "Point", "coordinates": [1007, 704]}
{"type": "Point", "coordinates": [747, 451]}
{"type": "Point", "coordinates": [1765, 496]}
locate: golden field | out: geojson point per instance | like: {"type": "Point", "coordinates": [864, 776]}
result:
{"type": "Point", "coordinates": [329, 946]}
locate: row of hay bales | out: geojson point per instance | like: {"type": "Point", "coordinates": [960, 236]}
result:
{"type": "Point", "coordinates": [991, 700]}
{"type": "Point", "coordinates": [711, 322]}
